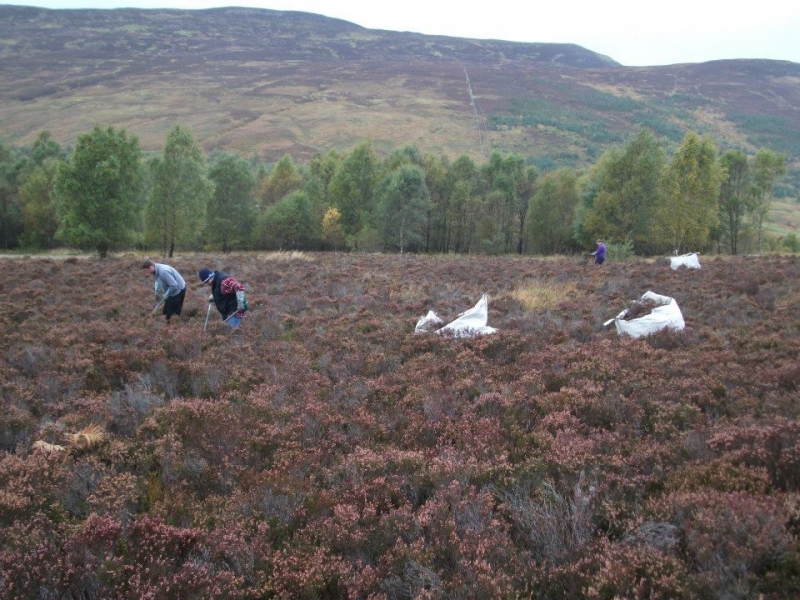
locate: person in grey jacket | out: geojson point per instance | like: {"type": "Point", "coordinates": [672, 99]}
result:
{"type": "Point", "coordinates": [169, 288]}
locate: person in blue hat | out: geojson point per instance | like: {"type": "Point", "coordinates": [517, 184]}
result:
{"type": "Point", "coordinates": [227, 294]}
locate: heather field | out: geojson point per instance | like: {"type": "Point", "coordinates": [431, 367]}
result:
{"type": "Point", "coordinates": [326, 451]}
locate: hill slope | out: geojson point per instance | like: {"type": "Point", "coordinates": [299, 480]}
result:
{"type": "Point", "coordinates": [272, 83]}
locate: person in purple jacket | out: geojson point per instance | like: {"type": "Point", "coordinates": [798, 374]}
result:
{"type": "Point", "coordinates": [600, 253]}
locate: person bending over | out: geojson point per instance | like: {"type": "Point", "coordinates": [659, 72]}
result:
{"type": "Point", "coordinates": [227, 294]}
{"type": "Point", "coordinates": [169, 288]}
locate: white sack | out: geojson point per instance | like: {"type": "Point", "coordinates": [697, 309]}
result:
{"type": "Point", "coordinates": [471, 322]}
{"type": "Point", "coordinates": [667, 315]}
{"type": "Point", "coordinates": [687, 260]}
{"type": "Point", "coordinates": [428, 322]}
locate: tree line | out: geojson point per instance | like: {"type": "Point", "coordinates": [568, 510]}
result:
{"type": "Point", "coordinates": [106, 194]}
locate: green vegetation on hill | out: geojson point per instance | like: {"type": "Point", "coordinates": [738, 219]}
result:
{"type": "Point", "coordinates": [770, 131]}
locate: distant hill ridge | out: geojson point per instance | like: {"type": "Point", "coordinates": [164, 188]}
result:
{"type": "Point", "coordinates": [258, 81]}
{"type": "Point", "coordinates": [247, 33]}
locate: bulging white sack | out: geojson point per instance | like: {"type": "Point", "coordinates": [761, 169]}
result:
{"type": "Point", "coordinates": [667, 315]}
{"type": "Point", "coordinates": [687, 260]}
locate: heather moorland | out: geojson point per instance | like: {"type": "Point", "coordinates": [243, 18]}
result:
{"type": "Point", "coordinates": [325, 450]}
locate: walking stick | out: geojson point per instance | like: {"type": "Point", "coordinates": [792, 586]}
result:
{"type": "Point", "coordinates": [157, 305]}
{"type": "Point", "coordinates": [208, 314]}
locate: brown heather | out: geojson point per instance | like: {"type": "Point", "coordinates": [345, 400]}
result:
{"type": "Point", "coordinates": [325, 451]}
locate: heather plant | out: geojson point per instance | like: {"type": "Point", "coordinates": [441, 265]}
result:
{"type": "Point", "coordinates": [637, 571]}
{"type": "Point", "coordinates": [20, 496]}
{"type": "Point", "coordinates": [30, 561]}
{"type": "Point", "coordinates": [326, 450]}
{"type": "Point", "coordinates": [16, 426]}
{"type": "Point", "coordinates": [733, 539]}
{"type": "Point", "coordinates": [773, 448]}
{"type": "Point", "coordinates": [465, 544]}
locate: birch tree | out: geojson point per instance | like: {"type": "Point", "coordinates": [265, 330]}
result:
{"type": "Point", "coordinates": [403, 204]}
{"type": "Point", "coordinates": [176, 209]}
{"type": "Point", "coordinates": [99, 191]}
{"type": "Point", "coordinates": [688, 209]}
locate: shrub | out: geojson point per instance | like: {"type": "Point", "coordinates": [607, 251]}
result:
{"type": "Point", "coordinates": [732, 539]}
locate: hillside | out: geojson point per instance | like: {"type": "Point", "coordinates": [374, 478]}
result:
{"type": "Point", "coordinates": [271, 83]}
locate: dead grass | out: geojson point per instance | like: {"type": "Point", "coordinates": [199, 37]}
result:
{"type": "Point", "coordinates": [48, 448]}
{"type": "Point", "coordinates": [538, 295]}
{"type": "Point", "coordinates": [285, 256]}
{"type": "Point", "coordinates": [86, 438]}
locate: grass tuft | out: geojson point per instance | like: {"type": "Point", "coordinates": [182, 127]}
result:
{"type": "Point", "coordinates": [540, 295]}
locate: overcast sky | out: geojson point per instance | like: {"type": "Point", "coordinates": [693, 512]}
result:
{"type": "Point", "coordinates": [632, 32]}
